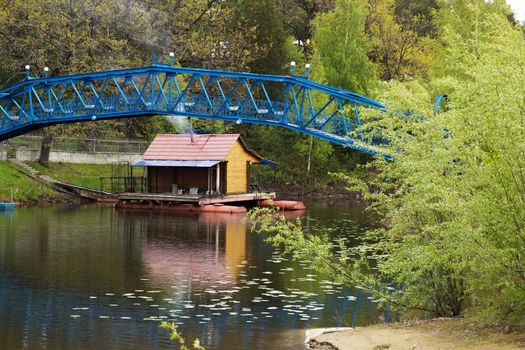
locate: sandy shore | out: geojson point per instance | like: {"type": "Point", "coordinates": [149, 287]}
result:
{"type": "Point", "coordinates": [430, 335]}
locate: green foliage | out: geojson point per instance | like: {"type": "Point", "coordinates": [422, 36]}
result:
{"type": "Point", "coordinates": [401, 45]}
{"type": "Point", "coordinates": [454, 198]}
{"type": "Point", "coordinates": [422, 10]}
{"type": "Point", "coordinates": [292, 151]}
{"type": "Point", "coordinates": [452, 203]}
{"type": "Point", "coordinates": [342, 46]}
{"type": "Point", "coordinates": [208, 126]}
{"type": "Point", "coordinates": [176, 336]}
{"type": "Point", "coordinates": [76, 37]}
{"type": "Point", "coordinates": [464, 23]}
{"type": "Point", "coordinates": [299, 16]}
{"type": "Point", "coordinates": [270, 38]}
{"type": "Point", "coordinates": [301, 246]}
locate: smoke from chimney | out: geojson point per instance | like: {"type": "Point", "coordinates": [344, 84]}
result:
{"type": "Point", "coordinates": [191, 129]}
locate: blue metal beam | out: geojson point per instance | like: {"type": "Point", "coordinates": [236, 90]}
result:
{"type": "Point", "coordinates": [189, 92]}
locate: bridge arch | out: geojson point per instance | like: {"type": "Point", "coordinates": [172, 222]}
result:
{"type": "Point", "coordinates": [293, 102]}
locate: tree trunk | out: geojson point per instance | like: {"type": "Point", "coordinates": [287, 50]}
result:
{"type": "Point", "coordinates": [310, 154]}
{"type": "Point", "coordinates": [45, 149]}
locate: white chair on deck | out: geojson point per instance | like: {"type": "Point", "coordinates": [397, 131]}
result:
{"type": "Point", "coordinates": [194, 190]}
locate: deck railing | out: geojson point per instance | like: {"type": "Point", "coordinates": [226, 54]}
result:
{"type": "Point", "coordinates": [123, 184]}
{"type": "Point", "coordinates": [262, 183]}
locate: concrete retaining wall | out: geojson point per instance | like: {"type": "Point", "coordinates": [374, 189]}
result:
{"type": "Point", "coordinates": [70, 157]}
{"type": "Point", "coordinates": [3, 154]}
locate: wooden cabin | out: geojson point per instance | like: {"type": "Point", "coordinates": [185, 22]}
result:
{"type": "Point", "coordinates": [199, 164]}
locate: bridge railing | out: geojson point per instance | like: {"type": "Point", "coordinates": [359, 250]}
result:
{"type": "Point", "coordinates": [77, 145]}
{"type": "Point", "coordinates": [236, 108]}
{"type": "Point", "coordinates": [293, 102]}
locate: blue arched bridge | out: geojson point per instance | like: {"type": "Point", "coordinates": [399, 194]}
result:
{"type": "Point", "coordinates": [292, 102]}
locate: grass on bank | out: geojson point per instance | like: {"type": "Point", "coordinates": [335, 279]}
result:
{"type": "Point", "coordinates": [24, 188]}
{"type": "Point", "coordinates": [86, 175]}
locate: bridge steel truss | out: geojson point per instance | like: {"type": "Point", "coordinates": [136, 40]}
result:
{"type": "Point", "coordinates": [293, 102]}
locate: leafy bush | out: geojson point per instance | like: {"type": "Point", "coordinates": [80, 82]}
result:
{"type": "Point", "coordinates": [176, 336]}
{"type": "Point", "coordinates": [452, 203]}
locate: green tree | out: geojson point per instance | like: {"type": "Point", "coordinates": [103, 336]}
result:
{"type": "Point", "coordinates": [268, 47]}
{"type": "Point", "coordinates": [341, 47]}
{"type": "Point", "coordinates": [298, 16]}
{"type": "Point", "coordinates": [84, 36]}
{"type": "Point", "coordinates": [451, 204]}
{"type": "Point", "coordinates": [461, 23]}
{"type": "Point", "coordinates": [69, 37]}
{"type": "Point", "coordinates": [422, 10]}
{"type": "Point", "coordinates": [399, 51]}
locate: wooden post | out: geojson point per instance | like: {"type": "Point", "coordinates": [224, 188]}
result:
{"type": "Point", "coordinates": [219, 177]}
{"type": "Point", "coordinates": [209, 182]}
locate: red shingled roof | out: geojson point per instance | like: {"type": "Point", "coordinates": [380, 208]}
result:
{"type": "Point", "coordinates": [180, 147]}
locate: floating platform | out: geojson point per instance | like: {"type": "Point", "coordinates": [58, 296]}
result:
{"type": "Point", "coordinates": [285, 205]}
{"type": "Point", "coordinates": [236, 202]}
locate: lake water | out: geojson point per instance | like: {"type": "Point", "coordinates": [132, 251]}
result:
{"type": "Point", "coordinates": [96, 278]}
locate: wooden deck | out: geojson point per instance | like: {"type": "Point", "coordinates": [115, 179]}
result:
{"type": "Point", "coordinates": [199, 200]}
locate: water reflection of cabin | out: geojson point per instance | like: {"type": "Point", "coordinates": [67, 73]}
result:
{"type": "Point", "coordinates": [210, 166]}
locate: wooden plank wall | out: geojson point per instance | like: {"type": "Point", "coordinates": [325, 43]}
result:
{"type": "Point", "coordinates": [237, 176]}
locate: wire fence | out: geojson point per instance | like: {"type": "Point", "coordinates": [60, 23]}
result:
{"type": "Point", "coordinates": [76, 145]}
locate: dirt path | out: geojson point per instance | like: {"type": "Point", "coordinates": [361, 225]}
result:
{"type": "Point", "coordinates": [433, 335]}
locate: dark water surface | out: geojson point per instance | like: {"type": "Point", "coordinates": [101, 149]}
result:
{"type": "Point", "coordinates": [97, 278]}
